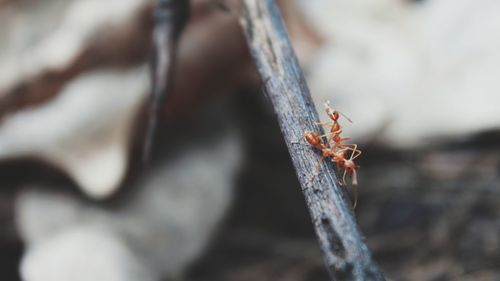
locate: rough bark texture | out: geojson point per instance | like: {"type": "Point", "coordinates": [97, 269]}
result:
{"type": "Point", "coordinates": [345, 253]}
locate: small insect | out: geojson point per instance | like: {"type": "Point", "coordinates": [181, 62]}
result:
{"type": "Point", "coordinates": [316, 141]}
{"type": "Point", "coordinates": [335, 130]}
{"type": "Point", "coordinates": [336, 147]}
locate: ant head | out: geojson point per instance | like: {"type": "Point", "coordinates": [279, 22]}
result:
{"type": "Point", "coordinates": [333, 114]}
{"type": "Point", "coordinates": [328, 152]}
{"type": "Point", "coordinates": [313, 139]}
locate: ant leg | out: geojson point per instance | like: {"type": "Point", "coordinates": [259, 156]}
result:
{"type": "Point", "coordinates": [339, 144]}
{"type": "Point", "coordinates": [354, 178]}
{"type": "Point", "coordinates": [355, 147]}
{"type": "Point", "coordinates": [357, 155]}
{"type": "Point", "coordinates": [357, 151]}
{"type": "Point", "coordinates": [343, 177]}
{"type": "Point", "coordinates": [329, 137]}
{"type": "Point", "coordinates": [335, 133]}
{"type": "Point", "coordinates": [326, 135]}
{"type": "Point", "coordinates": [331, 132]}
{"type": "Point", "coordinates": [345, 147]}
{"type": "Point", "coordinates": [330, 124]}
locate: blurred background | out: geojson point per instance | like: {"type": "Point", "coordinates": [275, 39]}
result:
{"type": "Point", "coordinates": [220, 200]}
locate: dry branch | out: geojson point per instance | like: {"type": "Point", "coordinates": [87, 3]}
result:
{"type": "Point", "coordinates": [170, 17]}
{"type": "Point", "coordinates": [346, 255]}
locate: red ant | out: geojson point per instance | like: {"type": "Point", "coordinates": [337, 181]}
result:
{"type": "Point", "coordinates": [338, 148]}
{"type": "Point", "coordinates": [349, 167]}
{"type": "Point", "coordinates": [316, 141]}
{"type": "Point", "coordinates": [335, 128]}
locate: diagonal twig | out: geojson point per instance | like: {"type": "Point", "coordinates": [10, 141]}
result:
{"type": "Point", "coordinates": [345, 253]}
{"type": "Point", "coordinates": [170, 17]}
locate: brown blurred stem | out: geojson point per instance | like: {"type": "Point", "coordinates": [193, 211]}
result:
{"type": "Point", "coordinates": [170, 17]}
{"type": "Point", "coordinates": [345, 253]}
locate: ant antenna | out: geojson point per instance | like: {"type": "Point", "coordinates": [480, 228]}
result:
{"type": "Point", "coordinates": [346, 117]}
{"type": "Point", "coordinates": [329, 108]}
{"type": "Point", "coordinates": [355, 191]}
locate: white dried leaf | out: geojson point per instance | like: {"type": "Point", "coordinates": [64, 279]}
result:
{"type": "Point", "coordinates": [159, 228]}
{"type": "Point", "coordinates": [48, 35]}
{"type": "Point", "coordinates": [84, 130]}
{"type": "Point", "coordinates": [408, 72]}
{"type": "Point", "coordinates": [83, 254]}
